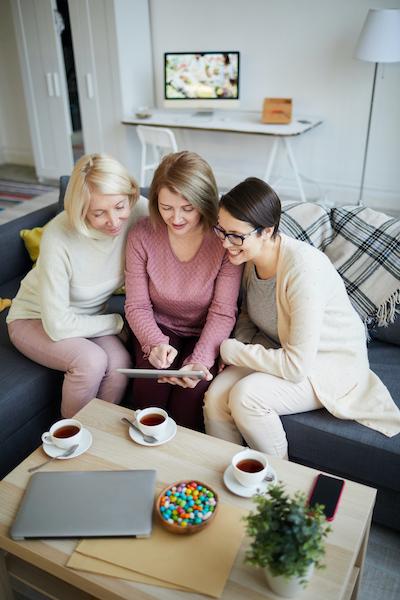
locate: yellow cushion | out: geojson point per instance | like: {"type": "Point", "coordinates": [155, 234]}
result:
{"type": "Point", "coordinates": [32, 239]}
{"type": "Point", "coordinates": [4, 303]}
{"type": "Point", "coordinates": [119, 291]}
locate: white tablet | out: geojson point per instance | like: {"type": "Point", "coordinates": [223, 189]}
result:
{"type": "Point", "coordinates": [157, 373]}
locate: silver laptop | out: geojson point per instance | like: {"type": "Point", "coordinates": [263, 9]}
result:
{"type": "Point", "coordinates": [86, 504]}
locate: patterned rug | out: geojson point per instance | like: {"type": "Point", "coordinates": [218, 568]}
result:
{"type": "Point", "coordinates": [19, 198]}
{"type": "Point", "coordinates": [13, 193]}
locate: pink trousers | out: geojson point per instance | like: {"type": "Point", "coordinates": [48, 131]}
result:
{"type": "Point", "coordinates": [89, 364]}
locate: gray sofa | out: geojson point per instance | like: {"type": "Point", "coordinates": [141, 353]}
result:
{"type": "Point", "coordinates": [30, 399]}
{"type": "Point", "coordinates": [29, 393]}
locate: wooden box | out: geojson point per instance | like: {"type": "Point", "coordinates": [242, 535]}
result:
{"type": "Point", "coordinates": [277, 110]}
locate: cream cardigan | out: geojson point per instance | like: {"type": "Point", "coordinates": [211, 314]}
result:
{"type": "Point", "coordinates": [322, 338]}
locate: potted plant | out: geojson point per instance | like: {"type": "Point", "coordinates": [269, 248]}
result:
{"type": "Point", "coordinates": [287, 539]}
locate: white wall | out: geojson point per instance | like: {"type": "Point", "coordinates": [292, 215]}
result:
{"type": "Point", "coordinates": [135, 73]}
{"type": "Point", "coordinates": [15, 143]}
{"type": "Point", "coordinates": [301, 49]}
{"type": "Point", "coordinates": [135, 53]}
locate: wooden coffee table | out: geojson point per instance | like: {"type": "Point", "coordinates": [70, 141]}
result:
{"type": "Point", "coordinates": [41, 564]}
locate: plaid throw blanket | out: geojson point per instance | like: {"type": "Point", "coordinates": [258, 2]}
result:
{"type": "Point", "coordinates": [363, 245]}
{"type": "Point", "coordinates": [366, 252]}
{"type": "Point", "coordinates": [307, 222]}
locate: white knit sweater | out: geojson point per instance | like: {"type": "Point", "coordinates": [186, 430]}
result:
{"type": "Point", "coordinates": [322, 339]}
{"type": "Point", "coordinates": [73, 279]}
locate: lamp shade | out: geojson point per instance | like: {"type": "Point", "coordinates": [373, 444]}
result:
{"type": "Point", "coordinates": [379, 41]}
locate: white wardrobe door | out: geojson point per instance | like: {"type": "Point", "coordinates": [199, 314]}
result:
{"type": "Point", "coordinates": [80, 14]}
{"type": "Point", "coordinates": [45, 86]}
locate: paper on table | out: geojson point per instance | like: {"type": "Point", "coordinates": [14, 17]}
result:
{"type": "Point", "coordinates": [95, 565]}
{"type": "Point", "coordinates": [182, 560]}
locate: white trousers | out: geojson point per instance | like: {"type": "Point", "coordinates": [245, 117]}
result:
{"type": "Point", "coordinates": [243, 403]}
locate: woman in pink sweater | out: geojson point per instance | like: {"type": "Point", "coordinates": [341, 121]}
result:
{"type": "Point", "coordinates": [181, 289]}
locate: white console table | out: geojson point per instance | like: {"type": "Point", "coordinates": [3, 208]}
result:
{"type": "Point", "coordinates": [237, 122]}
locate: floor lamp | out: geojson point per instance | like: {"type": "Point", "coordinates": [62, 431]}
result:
{"type": "Point", "coordinates": [379, 42]}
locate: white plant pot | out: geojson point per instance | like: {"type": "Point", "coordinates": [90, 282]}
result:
{"type": "Point", "coordinates": [288, 588]}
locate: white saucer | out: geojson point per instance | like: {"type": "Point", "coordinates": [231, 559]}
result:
{"type": "Point", "coordinates": [240, 490]}
{"type": "Point", "coordinates": [169, 434]}
{"type": "Point", "coordinates": [85, 443]}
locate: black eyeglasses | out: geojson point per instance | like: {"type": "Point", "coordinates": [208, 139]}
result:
{"type": "Point", "coordinates": [236, 239]}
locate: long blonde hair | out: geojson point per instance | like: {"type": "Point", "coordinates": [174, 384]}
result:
{"type": "Point", "coordinates": [95, 173]}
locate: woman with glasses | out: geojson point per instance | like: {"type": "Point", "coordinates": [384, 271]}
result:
{"type": "Point", "coordinates": [181, 288]}
{"type": "Point", "coordinates": [298, 345]}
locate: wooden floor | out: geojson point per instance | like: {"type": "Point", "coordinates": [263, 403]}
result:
{"type": "Point", "coordinates": [18, 173]}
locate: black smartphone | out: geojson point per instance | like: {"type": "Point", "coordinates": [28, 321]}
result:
{"type": "Point", "coordinates": [327, 491]}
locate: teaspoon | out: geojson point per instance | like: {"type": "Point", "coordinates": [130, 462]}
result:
{"type": "Point", "coordinates": [65, 454]}
{"type": "Point", "coordinates": [147, 438]}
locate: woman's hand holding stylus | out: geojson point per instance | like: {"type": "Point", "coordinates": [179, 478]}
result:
{"type": "Point", "coordinates": [162, 356]}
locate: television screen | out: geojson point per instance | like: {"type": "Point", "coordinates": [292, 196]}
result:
{"type": "Point", "coordinates": [201, 75]}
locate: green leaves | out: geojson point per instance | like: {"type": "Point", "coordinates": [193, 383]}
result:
{"type": "Point", "coordinates": [287, 534]}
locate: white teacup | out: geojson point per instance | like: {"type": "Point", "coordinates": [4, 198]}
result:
{"type": "Point", "coordinates": [64, 433]}
{"type": "Point", "coordinates": [152, 421]}
{"type": "Point", "coordinates": [249, 467]}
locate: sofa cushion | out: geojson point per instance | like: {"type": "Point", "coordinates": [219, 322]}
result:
{"type": "Point", "coordinates": [318, 438]}
{"type": "Point", "coordinates": [26, 439]}
{"type": "Point", "coordinates": [26, 389]}
{"type": "Point", "coordinates": [4, 339]}
{"type": "Point", "coordinates": [391, 333]}
{"type": "Point", "coordinates": [16, 261]}
{"type": "Point", "coordinates": [366, 253]}
{"type": "Point", "coordinates": [10, 288]}
{"type": "Point", "coordinates": [64, 179]}
{"type": "Point", "coordinates": [116, 304]}
{"type": "Point", "coordinates": [384, 360]}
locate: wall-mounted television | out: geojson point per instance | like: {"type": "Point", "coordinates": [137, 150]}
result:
{"type": "Point", "coordinates": [201, 79]}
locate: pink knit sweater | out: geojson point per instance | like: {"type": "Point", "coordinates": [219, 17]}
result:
{"type": "Point", "coordinates": [197, 297]}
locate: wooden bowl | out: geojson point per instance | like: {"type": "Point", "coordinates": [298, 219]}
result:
{"type": "Point", "coordinates": [175, 526]}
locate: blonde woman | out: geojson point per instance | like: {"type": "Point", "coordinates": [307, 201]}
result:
{"type": "Point", "coordinates": [58, 316]}
{"type": "Point", "coordinates": [181, 290]}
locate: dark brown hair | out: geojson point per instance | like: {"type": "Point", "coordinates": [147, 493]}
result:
{"type": "Point", "coordinates": [255, 202]}
{"type": "Point", "coordinates": [189, 175]}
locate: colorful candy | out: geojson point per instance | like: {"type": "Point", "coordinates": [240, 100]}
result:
{"type": "Point", "coordinates": [189, 503]}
